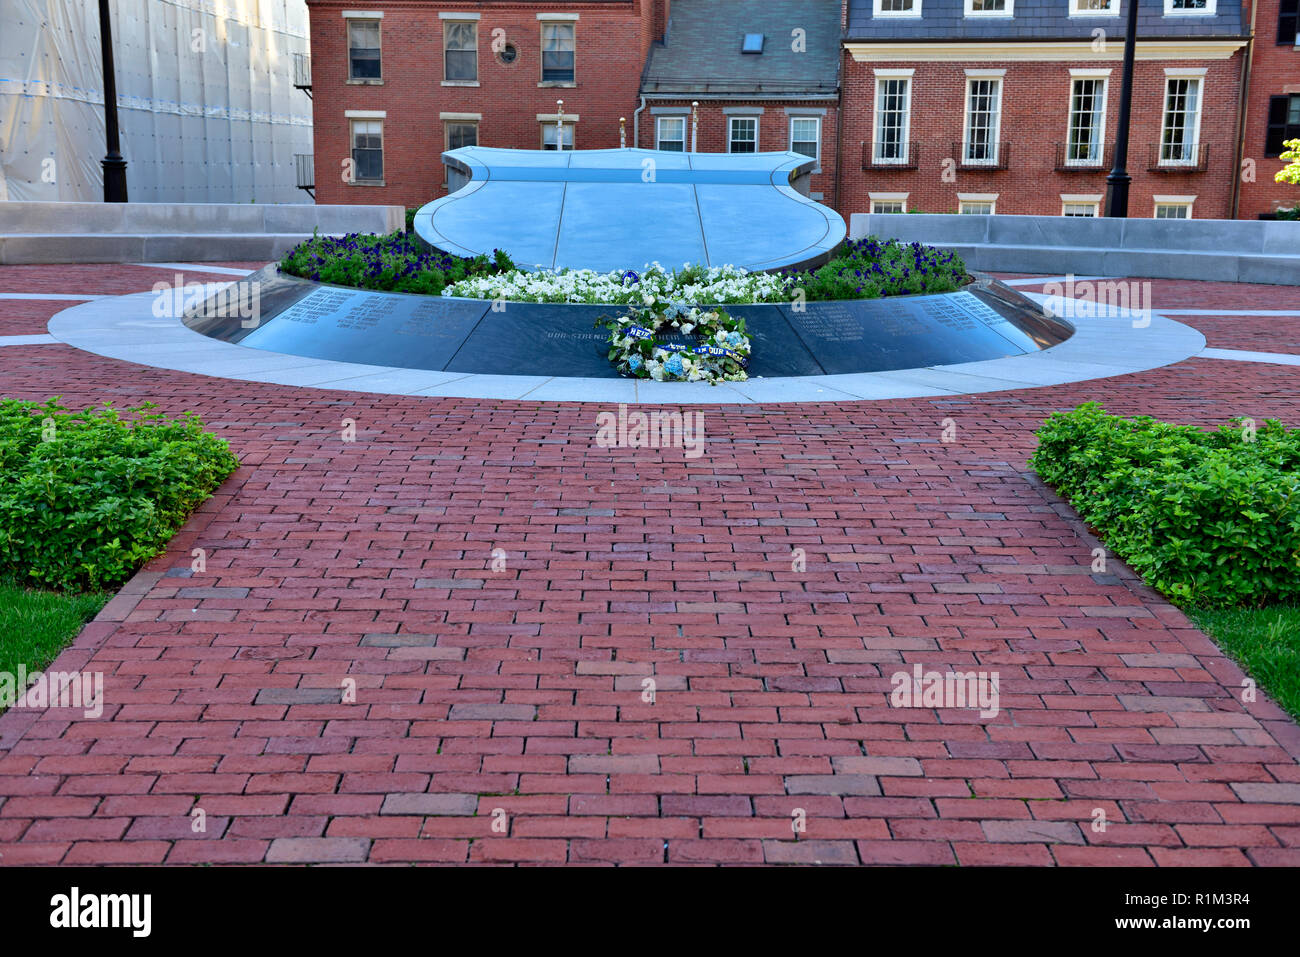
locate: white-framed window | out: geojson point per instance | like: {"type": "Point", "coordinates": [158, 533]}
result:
{"type": "Point", "coordinates": [364, 61]}
{"type": "Point", "coordinates": [1189, 8]}
{"type": "Point", "coordinates": [983, 121]}
{"type": "Point", "coordinates": [555, 137]}
{"type": "Point", "coordinates": [893, 118]}
{"type": "Point", "coordinates": [895, 8]}
{"type": "Point", "coordinates": [888, 202]}
{"type": "Point", "coordinates": [1173, 207]}
{"type": "Point", "coordinates": [742, 134]}
{"type": "Point", "coordinates": [806, 136]}
{"type": "Point", "coordinates": [558, 52]}
{"type": "Point", "coordinates": [1181, 127]}
{"type": "Point", "coordinates": [459, 51]}
{"type": "Point", "coordinates": [670, 134]}
{"type": "Point", "coordinates": [1094, 8]}
{"type": "Point", "coordinates": [977, 204]}
{"type": "Point", "coordinates": [458, 133]}
{"type": "Point", "coordinates": [990, 8]}
{"type": "Point", "coordinates": [367, 150]}
{"type": "Point", "coordinates": [1086, 132]}
{"type": "Point", "coordinates": [1080, 204]}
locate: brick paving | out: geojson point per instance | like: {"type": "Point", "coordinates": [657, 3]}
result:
{"type": "Point", "coordinates": [434, 644]}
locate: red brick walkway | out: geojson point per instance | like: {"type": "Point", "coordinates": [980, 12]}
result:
{"type": "Point", "coordinates": [512, 690]}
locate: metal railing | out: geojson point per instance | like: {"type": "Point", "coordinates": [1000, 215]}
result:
{"type": "Point", "coordinates": [999, 160]}
{"type": "Point", "coordinates": [1175, 158]}
{"type": "Point", "coordinates": [1065, 163]}
{"type": "Point", "coordinates": [911, 158]}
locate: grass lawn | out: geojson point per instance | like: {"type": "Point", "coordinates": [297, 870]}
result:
{"type": "Point", "coordinates": [1265, 642]}
{"type": "Point", "coordinates": [35, 625]}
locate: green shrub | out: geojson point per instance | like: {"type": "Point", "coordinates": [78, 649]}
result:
{"type": "Point", "coordinates": [410, 218]}
{"type": "Point", "coordinates": [1208, 518]}
{"type": "Point", "coordinates": [393, 263]}
{"type": "Point", "coordinates": [88, 497]}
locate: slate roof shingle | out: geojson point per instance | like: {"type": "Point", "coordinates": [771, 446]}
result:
{"type": "Point", "coordinates": [702, 56]}
{"type": "Point", "coordinates": [942, 20]}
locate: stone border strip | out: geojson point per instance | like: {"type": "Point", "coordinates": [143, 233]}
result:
{"type": "Point", "coordinates": [1119, 343]}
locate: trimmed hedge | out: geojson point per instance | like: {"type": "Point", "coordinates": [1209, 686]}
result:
{"type": "Point", "coordinates": [88, 497]}
{"type": "Point", "coordinates": [1210, 519]}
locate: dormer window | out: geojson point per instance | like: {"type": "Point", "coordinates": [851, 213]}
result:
{"type": "Point", "coordinates": [895, 8]}
{"type": "Point", "coordinates": [991, 8]}
{"type": "Point", "coordinates": [1094, 8]}
{"type": "Point", "coordinates": [753, 43]}
{"type": "Point", "coordinates": [1189, 8]}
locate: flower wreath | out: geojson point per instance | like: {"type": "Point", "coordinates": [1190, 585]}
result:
{"type": "Point", "coordinates": [721, 356]}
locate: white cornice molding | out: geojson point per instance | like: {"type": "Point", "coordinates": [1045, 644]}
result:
{"type": "Point", "coordinates": [926, 51]}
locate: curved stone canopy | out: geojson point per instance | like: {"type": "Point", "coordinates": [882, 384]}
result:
{"type": "Point", "coordinates": [624, 208]}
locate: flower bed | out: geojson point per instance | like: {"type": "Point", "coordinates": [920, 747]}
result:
{"type": "Point", "coordinates": [394, 263]}
{"type": "Point", "coordinates": [864, 269]}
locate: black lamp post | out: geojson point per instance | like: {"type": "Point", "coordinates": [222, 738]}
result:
{"type": "Point", "coordinates": [1117, 183]}
{"type": "Point", "coordinates": [113, 163]}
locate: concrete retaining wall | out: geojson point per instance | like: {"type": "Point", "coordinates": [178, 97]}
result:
{"type": "Point", "coordinates": [1226, 250]}
{"type": "Point", "coordinates": [175, 232]}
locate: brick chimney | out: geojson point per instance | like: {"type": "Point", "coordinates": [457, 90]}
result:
{"type": "Point", "coordinates": [662, 9]}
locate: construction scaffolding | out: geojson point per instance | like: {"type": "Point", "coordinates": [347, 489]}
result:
{"type": "Point", "coordinates": [207, 102]}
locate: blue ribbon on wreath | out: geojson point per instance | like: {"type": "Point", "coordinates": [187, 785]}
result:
{"type": "Point", "coordinates": [639, 332]}
{"type": "Point", "coordinates": [719, 351]}
{"type": "Point", "coordinates": [630, 274]}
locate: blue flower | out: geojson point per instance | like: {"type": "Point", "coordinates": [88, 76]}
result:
{"type": "Point", "coordinates": [634, 363]}
{"type": "Point", "coordinates": [674, 365]}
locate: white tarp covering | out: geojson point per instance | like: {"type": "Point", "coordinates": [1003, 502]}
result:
{"type": "Point", "coordinates": [206, 104]}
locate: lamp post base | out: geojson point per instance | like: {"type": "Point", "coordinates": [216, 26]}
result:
{"type": "Point", "coordinates": [114, 178]}
{"type": "Point", "coordinates": [1117, 194]}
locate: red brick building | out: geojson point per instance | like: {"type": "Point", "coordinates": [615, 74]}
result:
{"type": "Point", "coordinates": [1272, 112]}
{"type": "Point", "coordinates": [745, 76]}
{"type": "Point", "coordinates": [1009, 106]}
{"type": "Point", "coordinates": [977, 106]}
{"type": "Point", "coordinates": [396, 82]}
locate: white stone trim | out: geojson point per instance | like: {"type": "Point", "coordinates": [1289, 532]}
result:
{"type": "Point", "coordinates": [890, 73]}
{"type": "Point", "coordinates": [363, 14]}
{"type": "Point", "coordinates": [557, 16]}
{"type": "Point", "coordinates": [125, 328]}
{"type": "Point", "coordinates": [365, 114]}
{"type": "Point", "coordinates": [1090, 73]}
{"type": "Point", "coordinates": [464, 117]}
{"type": "Point", "coordinates": [444, 15]}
